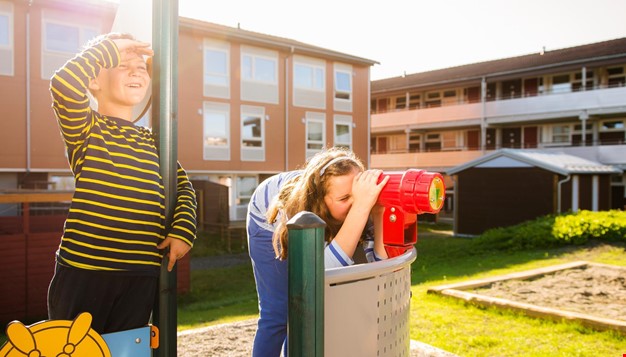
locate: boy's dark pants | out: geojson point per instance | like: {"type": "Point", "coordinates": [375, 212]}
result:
{"type": "Point", "coordinates": [115, 301]}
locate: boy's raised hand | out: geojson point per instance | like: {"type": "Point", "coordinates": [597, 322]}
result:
{"type": "Point", "coordinates": [138, 47]}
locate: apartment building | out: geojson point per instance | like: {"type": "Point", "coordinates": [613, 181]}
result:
{"type": "Point", "coordinates": [571, 101]}
{"type": "Point", "coordinates": [249, 104]}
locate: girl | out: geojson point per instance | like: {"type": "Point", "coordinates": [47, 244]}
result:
{"type": "Point", "coordinates": [335, 186]}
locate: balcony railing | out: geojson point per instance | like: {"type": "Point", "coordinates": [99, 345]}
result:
{"type": "Point", "coordinates": [513, 95]}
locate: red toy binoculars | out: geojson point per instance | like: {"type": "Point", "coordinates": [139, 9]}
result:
{"type": "Point", "coordinates": [406, 195]}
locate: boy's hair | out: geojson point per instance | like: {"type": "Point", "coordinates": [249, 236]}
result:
{"type": "Point", "coordinates": [306, 192]}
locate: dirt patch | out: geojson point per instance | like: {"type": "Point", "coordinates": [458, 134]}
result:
{"type": "Point", "coordinates": [595, 290]}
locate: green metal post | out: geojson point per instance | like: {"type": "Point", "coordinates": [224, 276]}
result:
{"type": "Point", "coordinates": [164, 120]}
{"type": "Point", "coordinates": [306, 285]}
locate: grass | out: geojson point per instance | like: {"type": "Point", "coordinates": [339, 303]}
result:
{"type": "Point", "coordinates": [228, 294]}
{"type": "Point", "coordinates": [469, 330]}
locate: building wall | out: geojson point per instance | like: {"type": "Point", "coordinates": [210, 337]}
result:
{"type": "Point", "coordinates": [489, 197]}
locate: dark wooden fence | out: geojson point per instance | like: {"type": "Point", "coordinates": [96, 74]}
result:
{"type": "Point", "coordinates": [29, 237]}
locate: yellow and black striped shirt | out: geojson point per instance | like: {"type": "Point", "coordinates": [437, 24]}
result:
{"type": "Point", "coordinates": [117, 214]}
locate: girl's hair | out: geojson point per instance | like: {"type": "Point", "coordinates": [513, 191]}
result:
{"type": "Point", "coordinates": [306, 192]}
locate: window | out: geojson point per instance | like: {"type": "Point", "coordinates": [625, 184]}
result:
{"type": "Point", "coordinates": [308, 77]}
{"type": "Point", "coordinates": [252, 133]}
{"type": "Point", "coordinates": [258, 68]}
{"type": "Point", "coordinates": [561, 133]}
{"type": "Point", "coordinates": [216, 69]}
{"type": "Point", "coordinates": [216, 131]}
{"type": "Point", "coordinates": [245, 188]}
{"type": "Point", "coordinates": [6, 38]}
{"type": "Point", "coordinates": [433, 99]}
{"type": "Point", "coordinates": [414, 101]}
{"type": "Point", "coordinates": [400, 102]}
{"type": "Point", "coordinates": [577, 84]}
{"type": "Point", "coordinates": [612, 132]}
{"type": "Point", "coordinates": [315, 133]}
{"type": "Point", "coordinates": [616, 76]}
{"type": "Point", "coordinates": [343, 131]}
{"type": "Point", "coordinates": [62, 40]}
{"type": "Point", "coordinates": [612, 125]}
{"type": "Point", "coordinates": [414, 142]}
{"type": "Point", "coordinates": [259, 75]}
{"type": "Point", "coordinates": [309, 85]}
{"type": "Point", "coordinates": [343, 85]}
{"type": "Point", "coordinates": [433, 142]}
{"type": "Point", "coordinates": [561, 84]}
{"type": "Point", "coordinates": [242, 192]}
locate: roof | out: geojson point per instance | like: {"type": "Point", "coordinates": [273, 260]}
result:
{"type": "Point", "coordinates": [571, 56]}
{"type": "Point", "coordinates": [557, 162]}
{"type": "Point", "coordinates": [228, 33]}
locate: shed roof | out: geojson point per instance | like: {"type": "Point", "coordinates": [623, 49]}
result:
{"type": "Point", "coordinates": [557, 162]}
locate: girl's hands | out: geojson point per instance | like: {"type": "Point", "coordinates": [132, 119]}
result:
{"type": "Point", "coordinates": [366, 188]}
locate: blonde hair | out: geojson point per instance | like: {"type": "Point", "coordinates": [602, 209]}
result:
{"type": "Point", "coordinates": [306, 192]}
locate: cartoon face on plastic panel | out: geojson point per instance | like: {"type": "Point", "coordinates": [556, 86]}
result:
{"type": "Point", "coordinates": [60, 338]}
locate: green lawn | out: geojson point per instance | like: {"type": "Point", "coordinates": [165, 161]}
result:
{"type": "Point", "coordinates": [228, 294]}
{"type": "Point", "coordinates": [225, 295]}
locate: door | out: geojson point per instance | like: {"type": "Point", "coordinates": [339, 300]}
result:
{"type": "Point", "coordinates": [530, 137]}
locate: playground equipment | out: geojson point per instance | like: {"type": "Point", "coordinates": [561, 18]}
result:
{"type": "Point", "coordinates": [407, 194]}
{"type": "Point", "coordinates": [76, 338]}
{"type": "Point", "coordinates": [366, 307]}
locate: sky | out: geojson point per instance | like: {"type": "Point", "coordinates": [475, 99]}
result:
{"type": "Point", "coordinates": [411, 36]}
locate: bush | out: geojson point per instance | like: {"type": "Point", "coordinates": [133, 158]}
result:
{"type": "Point", "coordinates": [557, 230]}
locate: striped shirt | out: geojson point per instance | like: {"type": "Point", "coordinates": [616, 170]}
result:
{"type": "Point", "coordinates": [260, 201]}
{"type": "Point", "coordinates": [117, 214]}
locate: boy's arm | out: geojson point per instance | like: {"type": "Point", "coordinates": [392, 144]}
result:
{"type": "Point", "coordinates": [69, 88]}
{"type": "Point", "coordinates": [183, 231]}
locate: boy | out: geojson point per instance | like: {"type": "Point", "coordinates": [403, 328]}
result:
{"type": "Point", "coordinates": [109, 258]}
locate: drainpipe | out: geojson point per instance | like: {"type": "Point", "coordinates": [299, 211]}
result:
{"type": "Point", "coordinates": [28, 117]}
{"type": "Point", "coordinates": [567, 178]}
{"type": "Point", "coordinates": [291, 51]}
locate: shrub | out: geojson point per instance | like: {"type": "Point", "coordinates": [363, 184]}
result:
{"type": "Point", "coordinates": [557, 230]}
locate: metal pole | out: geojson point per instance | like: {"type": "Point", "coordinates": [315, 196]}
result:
{"type": "Point", "coordinates": [305, 331]}
{"type": "Point", "coordinates": [164, 120]}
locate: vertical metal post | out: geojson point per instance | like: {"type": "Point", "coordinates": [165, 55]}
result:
{"type": "Point", "coordinates": [164, 120]}
{"type": "Point", "coordinates": [305, 332]}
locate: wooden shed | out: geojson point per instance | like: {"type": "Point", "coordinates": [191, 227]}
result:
{"type": "Point", "coordinates": [510, 186]}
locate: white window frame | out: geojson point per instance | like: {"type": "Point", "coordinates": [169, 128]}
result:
{"type": "Point", "coordinates": [8, 49]}
{"type": "Point", "coordinates": [239, 207]}
{"type": "Point", "coordinates": [252, 153]}
{"type": "Point", "coordinates": [343, 120]}
{"type": "Point", "coordinates": [51, 56]}
{"type": "Point", "coordinates": [317, 84]}
{"type": "Point", "coordinates": [340, 92]}
{"type": "Point", "coordinates": [255, 72]}
{"type": "Point", "coordinates": [219, 152]}
{"type": "Point", "coordinates": [314, 146]}
{"type": "Point", "coordinates": [220, 87]}
{"type": "Point", "coordinates": [550, 133]}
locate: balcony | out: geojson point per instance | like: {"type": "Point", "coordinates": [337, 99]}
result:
{"type": "Point", "coordinates": [596, 102]}
{"type": "Point", "coordinates": [441, 161]}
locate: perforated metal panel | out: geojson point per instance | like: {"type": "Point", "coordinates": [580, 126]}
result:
{"type": "Point", "coordinates": [367, 309]}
